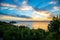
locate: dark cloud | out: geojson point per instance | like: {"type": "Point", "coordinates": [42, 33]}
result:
{"type": "Point", "coordinates": [19, 16]}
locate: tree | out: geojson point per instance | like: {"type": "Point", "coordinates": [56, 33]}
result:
{"type": "Point", "coordinates": [54, 24]}
{"type": "Point", "coordinates": [54, 27]}
{"type": "Point", "coordinates": [12, 22]}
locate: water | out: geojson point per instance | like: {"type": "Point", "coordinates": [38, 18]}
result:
{"type": "Point", "coordinates": [35, 25]}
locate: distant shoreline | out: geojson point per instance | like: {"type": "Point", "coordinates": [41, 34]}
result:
{"type": "Point", "coordinates": [26, 21]}
{"type": "Point", "coordinates": [32, 21]}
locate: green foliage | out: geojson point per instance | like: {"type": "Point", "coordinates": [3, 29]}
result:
{"type": "Point", "coordinates": [54, 27]}
{"type": "Point", "coordinates": [11, 32]}
{"type": "Point", "coordinates": [54, 24]}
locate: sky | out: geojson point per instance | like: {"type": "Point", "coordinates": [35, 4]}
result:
{"type": "Point", "coordinates": [29, 9]}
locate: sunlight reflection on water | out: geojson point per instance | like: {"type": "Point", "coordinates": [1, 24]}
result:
{"type": "Point", "coordinates": [35, 25]}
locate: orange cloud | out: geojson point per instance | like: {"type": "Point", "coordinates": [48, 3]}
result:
{"type": "Point", "coordinates": [4, 17]}
{"type": "Point", "coordinates": [41, 15]}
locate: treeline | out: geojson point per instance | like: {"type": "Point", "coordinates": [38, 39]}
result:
{"type": "Point", "coordinates": [11, 32]}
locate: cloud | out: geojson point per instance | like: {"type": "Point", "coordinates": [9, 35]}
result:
{"type": "Point", "coordinates": [6, 17]}
{"type": "Point", "coordinates": [2, 8]}
{"type": "Point", "coordinates": [55, 10]}
{"type": "Point", "coordinates": [8, 5]}
{"type": "Point", "coordinates": [52, 2]}
{"type": "Point", "coordinates": [12, 9]}
{"type": "Point", "coordinates": [38, 15]}
{"type": "Point", "coordinates": [56, 7]}
{"type": "Point", "coordinates": [10, 18]}
{"type": "Point", "coordinates": [24, 16]}
{"type": "Point", "coordinates": [44, 15]}
{"type": "Point", "coordinates": [7, 8]}
{"type": "Point", "coordinates": [25, 7]}
{"type": "Point", "coordinates": [14, 15]}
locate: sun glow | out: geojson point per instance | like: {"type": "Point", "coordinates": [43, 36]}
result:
{"type": "Point", "coordinates": [41, 15]}
{"type": "Point", "coordinates": [27, 10]}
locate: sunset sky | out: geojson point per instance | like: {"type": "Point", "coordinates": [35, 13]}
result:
{"type": "Point", "coordinates": [29, 9]}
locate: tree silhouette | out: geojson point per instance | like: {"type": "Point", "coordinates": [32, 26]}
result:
{"type": "Point", "coordinates": [54, 24]}
{"type": "Point", "coordinates": [12, 22]}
